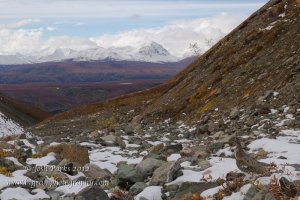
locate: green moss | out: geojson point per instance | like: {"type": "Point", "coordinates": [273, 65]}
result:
{"type": "Point", "coordinates": [107, 122]}
{"type": "Point", "coordinates": [207, 106]}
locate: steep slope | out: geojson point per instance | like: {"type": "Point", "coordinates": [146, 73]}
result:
{"type": "Point", "coordinates": [15, 115]}
{"type": "Point", "coordinates": [260, 55]}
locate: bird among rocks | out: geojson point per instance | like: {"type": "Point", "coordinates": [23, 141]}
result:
{"type": "Point", "coordinates": [247, 164]}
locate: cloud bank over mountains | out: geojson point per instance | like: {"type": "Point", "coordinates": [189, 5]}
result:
{"type": "Point", "coordinates": [174, 37]}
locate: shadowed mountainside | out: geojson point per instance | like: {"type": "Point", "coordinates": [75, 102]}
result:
{"type": "Point", "coordinates": [21, 113]}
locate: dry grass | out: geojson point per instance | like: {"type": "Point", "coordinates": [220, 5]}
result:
{"type": "Point", "coordinates": [72, 152]}
{"type": "Point", "coordinates": [3, 154]}
{"type": "Point", "coordinates": [275, 189]}
{"type": "Point", "coordinates": [230, 187]}
{"type": "Point", "coordinates": [118, 194]}
{"type": "Point", "coordinates": [5, 171]}
{"type": "Point", "coordinates": [36, 155]}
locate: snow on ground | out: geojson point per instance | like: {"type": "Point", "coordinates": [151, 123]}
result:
{"type": "Point", "coordinates": [21, 193]}
{"type": "Point", "coordinates": [9, 127]}
{"type": "Point", "coordinates": [16, 162]}
{"type": "Point", "coordinates": [240, 194]}
{"type": "Point", "coordinates": [152, 192]}
{"type": "Point", "coordinates": [174, 157]}
{"type": "Point", "coordinates": [17, 177]}
{"type": "Point", "coordinates": [287, 145]}
{"type": "Point", "coordinates": [220, 167]}
{"type": "Point", "coordinates": [72, 188]}
{"type": "Point", "coordinates": [42, 161]}
{"type": "Point", "coordinates": [109, 157]}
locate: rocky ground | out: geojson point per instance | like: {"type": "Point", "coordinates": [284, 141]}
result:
{"type": "Point", "coordinates": [169, 161]}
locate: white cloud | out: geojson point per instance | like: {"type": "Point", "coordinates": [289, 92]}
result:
{"type": "Point", "coordinates": [74, 43]}
{"type": "Point", "coordinates": [50, 28]}
{"type": "Point", "coordinates": [19, 24]}
{"type": "Point", "coordinates": [175, 37]}
{"type": "Point", "coordinates": [20, 41]}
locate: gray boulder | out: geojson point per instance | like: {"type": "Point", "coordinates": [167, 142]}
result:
{"type": "Point", "coordinates": [148, 166]}
{"type": "Point", "coordinates": [92, 193]}
{"type": "Point", "coordinates": [165, 173]}
{"type": "Point", "coordinates": [137, 188]}
{"type": "Point", "coordinates": [127, 175]}
{"type": "Point", "coordinates": [95, 172]}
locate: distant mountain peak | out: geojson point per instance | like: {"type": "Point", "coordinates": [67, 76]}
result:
{"type": "Point", "coordinates": [153, 48]}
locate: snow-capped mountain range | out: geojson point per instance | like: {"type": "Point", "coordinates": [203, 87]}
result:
{"type": "Point", "coordinates": [152, 52]}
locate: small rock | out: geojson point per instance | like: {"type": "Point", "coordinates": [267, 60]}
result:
{"type": "Point", "coordinates": [137, 188]}
{"type": "Point", "coordinates": [148, 166]}
{"type": "Point", "coordinates": [188, 189]}
{"type": "Point", "coordinates": [171, 149]}
{"type": "Point", "coordinates": [287, 187]}
{"type": "Point", "coordinates": [115, 140]}
{"type": "Point", "coordinates": [67, 167]}
{"type": "Point", "coordinates": [165, 173]}
{"type": "Point", "coordinates": [155, 156]}
{"type": "Point", "coordinates": [8, 164]}
{"type": "Point", "coordinates": [68, 197]}
{"type": "Point", "coordinates": [94, 172]}
{"type": "Point", "coordinates": [233, 175]}
{"type": "Point", "coordinates": [204, 164]}
{"type": "Point", "coordinates": [215, 146]}
{"type": "Point", "coordinates": [263, 195]}
{"type": "Point", "coordinates": [156, 149]}
{"type": "Point", "coordinates": [282, 157]}
{"type": "Point", "coordinates": [127, 175]}
{"type": "Point", "coordinates": [54, 195]}
{"type": "Point", "coordinates": [92, 192]}
{"type": "Point", "coordinates": [173, 187]}
{"type": "Point", "coordinates": [234, 113]}
{"type": "Point", "coordinates": [227, 139]}
{"type": "Point", "coordinates": [261, 154]}
{"type": "Point", "coordinates": [218, 134]}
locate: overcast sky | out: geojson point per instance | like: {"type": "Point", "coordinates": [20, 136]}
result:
{"type": "Point", "coordinates": [26, 25]}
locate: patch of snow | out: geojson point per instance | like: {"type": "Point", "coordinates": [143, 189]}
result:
{"type": "Point", "coordinates": [220, 167]}
{"type": "Point", "coordinates": [89, 144]}
{"type": "Point", "coordinates": [54, 143]}
{"type": "Point", "coordinates": [42, 161]}
{"type": "Point", "coordinates": [240, 194]}
{"type": "Point", "coordinates": [21, 194]}
{"type": "Point", "coordinates": [208, 194]}
{"type": "Point", "coordinates": [131, 145]}
{"type": "Point", "coordinates": [16, 178]}
{"type": "Point", "coordinates": [109, 157]}
{"type": "Point", "coordinates": [9, 127]}
{"type": "Point", "coordinates": [273, 111]}
{"type": "Point", "coordinates": [174, 157]}
{"type": "Point", "coordinates": [75, 188]}
{"type": "Point", "coordinates": [151, 193]}
{"type": "Point", "coordinates": [14, 160]}
{"type": "Point", "coordinates": [155, 142]}
{"type": "Point", "coordinates": [278, 147]}
{"type": "Point", "coordinates": [227, 151]}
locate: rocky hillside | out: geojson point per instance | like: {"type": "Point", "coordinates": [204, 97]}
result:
{"type": "Point", "coordinates": [241, 71]}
